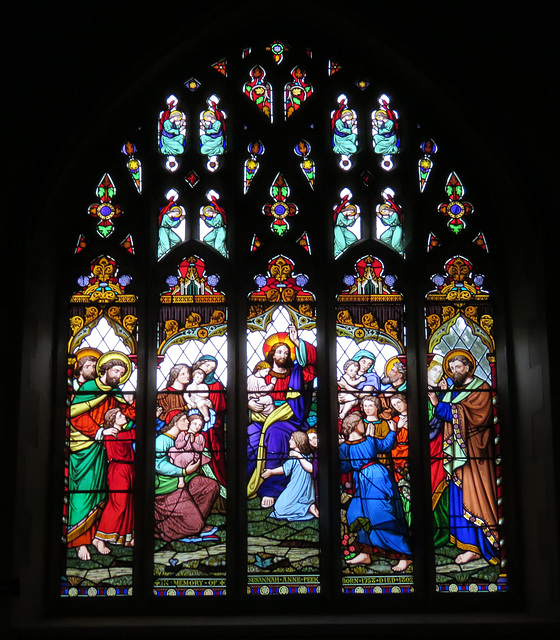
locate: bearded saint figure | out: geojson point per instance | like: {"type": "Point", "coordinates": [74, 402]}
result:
{"type": "Point", "coordinates": [87, 472]}
{"type": "Point", "coordinates": [465, 411]}
{"type": "Point", "coordinates": [269, 436]}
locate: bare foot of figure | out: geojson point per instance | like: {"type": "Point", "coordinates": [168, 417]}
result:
{"type": "Point", "coordinates": [361, 558]}
{"type": "Point", "coordinates": [267, 501]}
{"type": "Point", "coordinates": [130, 543]}
{"type": "Point", "coordinates": [468, 556]}
{"type": "Point", "coordinates": [101, 546]}
{"type": "Point", "coordinates": [401, 565]}
{"type": "Point", "coordinates": [83, 552]}
{"type": "Point", "coordinates": [314, 511]}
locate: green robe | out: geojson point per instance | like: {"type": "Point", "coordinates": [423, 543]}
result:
{"type": "Point", "coordinates": [343, 237]}
{"type": "Point", "coordinates": [217, 237]}
{"type": "Point", "coordinates": [212, 141]}
{"type": "Point", "coordinates": [167, 238]}
{"type": "Point", "coordinates": [345, 141]}
{"type": "Point", "coordinates": [87, 464]}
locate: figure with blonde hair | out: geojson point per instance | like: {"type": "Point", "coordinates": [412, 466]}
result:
{"type": "Point", "coordinates": [297, 500]}
{"type": "Point", "coordinates": [197, 392]}
{"type": "Point", "coordinates": [348, 383]}
{"type": "Point", "coordinates": [258, 389]}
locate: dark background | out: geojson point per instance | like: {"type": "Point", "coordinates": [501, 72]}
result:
{"type": "Point", "coordinates": [64, 65]}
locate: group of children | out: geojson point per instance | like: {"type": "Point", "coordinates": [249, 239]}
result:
{"type": "Point", "coordinates": [298, 501]}
{"type": "Point", "coordinates": [116, 525]}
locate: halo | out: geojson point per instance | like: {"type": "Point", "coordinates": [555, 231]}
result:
{"type": "Point", "coordinates": [391, 362]}
{"type": "Point", "coordinates": [116, 355]}
{"type": "Point", "coordinates": [458, 352]}
{"type": "Point", "coordinates": [281, 336]}
{"type": "Point", "coordinates": [86, 351]}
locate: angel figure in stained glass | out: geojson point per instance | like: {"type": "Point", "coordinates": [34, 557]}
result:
{"type": "Point", "coordinates": [214, 216]}
{"type": "Point", "coordinates": [384, 130]}
{"type": "Point", "coordinates": [172, 133]}
{"type": "Point", "coordinates": [344, 125]}
{"type": "Point", "coordinates": [170, 218]}
{"type": "Point", "coordinates": [389, 218]}
{"type": "Point", "coordinates": [212, 133]}
{"type": "Point", "coordinates": [346, 215]}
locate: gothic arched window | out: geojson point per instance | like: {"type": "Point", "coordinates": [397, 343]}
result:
{"type": "Point", "coordinates": [281, 286]}
{"type": "Point", "coordinates": [284, 366]}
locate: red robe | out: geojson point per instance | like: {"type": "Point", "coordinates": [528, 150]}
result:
{"type": "Point", "coordinates": [215, 437]}
{"type": "Point", "coordinates": [85, 423]}
{"type": "Point", "coordinates": [117, 520]}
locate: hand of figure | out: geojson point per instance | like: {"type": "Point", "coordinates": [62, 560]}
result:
{"type": "Point", "coordinates": [254, 405]}
{"type": "Point", "coordinates": [193, 466]}
{"type": "Point", "coordinates": [433, 398]}
{"type": "Point", "coordinates": [293, 333]}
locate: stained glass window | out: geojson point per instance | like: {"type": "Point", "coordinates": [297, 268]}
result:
{"type": "Point", "coordinates": [190, 460]}
{"type": "Point", "coordinates": [100, 433]}
{"type": "Point", "coordinates": [282, 435]}
{"type": "Point", "coordinates": [465, 438]}
{"type": "Point", "coordinates": [373, 432]}
{"type": "Point", "coordinates": [276, 264]}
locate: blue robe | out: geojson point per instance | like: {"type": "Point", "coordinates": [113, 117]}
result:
{"type": "Point", "coordinates": [376, 498]}
{"type": "Point", "coordinates": [294, 502]}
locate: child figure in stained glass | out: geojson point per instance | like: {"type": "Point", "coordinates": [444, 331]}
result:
{"type": "Point", "coordinates": [117, 520]}
{"type": "Point", "coordinates": [297, 500]}
{"type": "Point", "coordinates": [197, 393]}
{"type": "Point", "coordinates": [349, 382]}
{"type": "Point", "coordinates": [190, 444]}
{"type": "Point", "coordinates": [400, 452]}
{"type": "Point", "coordinates": [258, 389]}
{"type": "Point", "coordinates": [376, 506]}
{"type": "Point", "coordinates": [313, 436]}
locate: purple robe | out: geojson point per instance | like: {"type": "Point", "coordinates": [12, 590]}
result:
{"type": "Point", "coordinates": [278, 434]}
